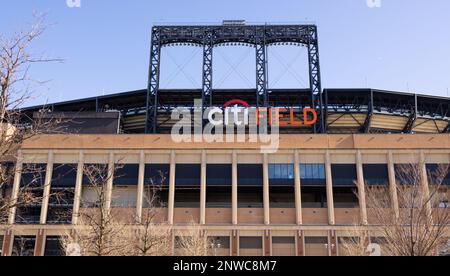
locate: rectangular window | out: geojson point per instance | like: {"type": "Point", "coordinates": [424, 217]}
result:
{"type": "Point", "coordinates": [314, 197]}
{"type": "Point", "coordinates": [406, 174]}
{"type": "Point", "coordinates": [95, 174]}
{"type": "Point", "coordinates": [157, 174]}
{"type": "Point", "coordinates": [312, 174]}
{"type": "Point", "coordinates": [188, 175]}
{"type": "Point", "coordinates": [376, 174]}
{"type": "Point", "coordinates": [62, 194]}
{"type": "Point", "coordinates": [250, 175]}
{"type": "Point", "coordinates": [282, 196]}
{"type": "Point", "coordinates": [281, 174]}
{"type": "Point", "coordinates": [53, 247]}
{"type": "Point", "coordinates": [344, 174]}
{"type": "Point", "coordinates": [251, 246]}
{"type": "Point", "coordinates": [218, 174]}
{"type": "Point", "coordinates": [23, 246]}
{"type": "Point", "coordinates": [157, 185]}
{"type": "Point", "coordinates": [438, 174]}
{"type": "Point", "coordinates": [31, 193]}
{"type": "Point", "coordinates": [126, 175]}
{"type": "Point", "coordinates": [218, 197]}
{"type": "Point", "coordinates": [345, 197]}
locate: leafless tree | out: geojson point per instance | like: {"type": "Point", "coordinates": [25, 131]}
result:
{"type": "Point", "coordinates": [16, 88]}
{"type": "Point", "coordinates": [419, 226]}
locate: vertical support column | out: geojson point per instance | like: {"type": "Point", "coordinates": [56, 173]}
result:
{"type": "Point", "coordinates": [298, 190]}
{"type": "Point", "coordinates": [267, 243]}
{"type": "Point", "coordinates": [78, 188]}
{"type": "Point", "coordinates": [330, 199]}
{"type": "Point", "coordinates": [266, 189]}
{"type": "Point", "coordinates": [300, 243]}
{"type": "Point", "coordinates": [261, 67]}
{"type": "Point", "coordinates": [208, 46]}
{"type": "Point", "coordinates": [16, 187]}
{"type": "Point", "coordinates": [110, 182]}
{"type": "Point", "coordinates": [47, 187]}
{"type": "Point", "coordinates": [314, 76]}
{"type": "Point", "coordinates": [234, 188]}
{"type": "Point", "coordinates": [235, 243]}
{"type": "Point", "coordinates": [140, 187]}
{"type": "Point", "coordinates": [153, 83]}
{"type": "Point", "coordinates": [393, 185]}
{"type": "Point", "coordinates": [425, 184]}
{"type": "Point", "coordinates": [361, 188]}
{"type": "Point", "coordinates": [40, 243]}
{"type": "Point", "coordinates": [8, 240]}
{"type": "Point", "coordinates": [171, 207]}
{"type": "Point", "coordinates": [203, 190]}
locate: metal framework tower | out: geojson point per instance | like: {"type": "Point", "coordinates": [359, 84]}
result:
{"type": "Point", "coordinates": [258, 36]}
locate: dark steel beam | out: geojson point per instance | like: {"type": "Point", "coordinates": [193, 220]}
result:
{"type": "Point", "coordinates": [153, 84]}
{"type": "Point", "coordinates": [315, 78]}
{"type": "Point", "coordinates": [208, 46]}
{"type": "Point", "coordinates": [262, 98]}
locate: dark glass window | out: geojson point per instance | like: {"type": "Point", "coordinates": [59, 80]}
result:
{"type": "Point", "coordinates": [283, 240]}
{"type": "Point", "coordinates": [53, 246]}
{"type": "Point", "coordinates": [157, 185]}
{"type": "Point", "coordinates": [157, 174]}
{"type": "Point", "coordinates": [218, 197]}
{"type": "Point", "coordinates": [126, 175]}
{"type": "Point", "coordinates": [316, 240]}
{"type": "Point", "coordinates": [282, 196]}
{"type": "Point", "coordinates": [188, 175]}
{"type": "Point", "coordinates": [219, 174]}
{"type": "Point", "coordinates": [7, 171]}
{"type": "Point", "coordinates": [250, 175]}
{"type": "Point", "coordinates": [438, 173]}
{"type": "Point", "coordinates": [33, 175]}
{"type": "Point", "coordinates": [345, 197]}
{"type": "Point", "coordinates": [314, 197]}
{"type": "Point", "coordinates": [250, 242]}
{"type": "Point", "coordinates": [95, 174]}
{"type": "Point", "coordinates": [344, 174]}
{"type": "Point", "coordinates": [221, 242]}
{"type": "Point", "coordinates": [250, 197]}
{"type": "Point", "coordinates": [405, 173]}
{"type": "Point", "coordinates": [281, 174]}
{"type": "Point", "coordinates": [376, 174]}
{"type": "Point", "coordinates": [23, 246]}
{"type": "Point", "coordinates": [64, 175]}
{"type": "Point", "coordinates": [312, 174]}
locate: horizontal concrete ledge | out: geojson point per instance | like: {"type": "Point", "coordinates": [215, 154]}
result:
{"type": "Point", "coordinates": [294, 141]}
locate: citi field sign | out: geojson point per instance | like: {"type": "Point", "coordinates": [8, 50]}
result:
{"type": "Point", "coordinates": [273, 115]}
{"type": "Point", "coordinates": [243, 123]}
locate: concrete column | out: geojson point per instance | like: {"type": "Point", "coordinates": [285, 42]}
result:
{"type": "Point", "coordinates": [140, 187]}
{"type": "Point", "coordinates": [361, 188]}
{"type": "Point", "coordinates": [203, 190]}
{"type": "Point", "coordinates": [8, 240]}
{"type": "Point", "coordinates": [425, 184]}
{"type": "Point", "coordinates": [298, 190]}
{"type": "Point", "coordinates": [393, 185]}
{"type": "Point", "coordinates": [330, 199]}
{"type": "Point", "coordinates": [110, 181]}
{"type": "Point", "coordinates": [47, 187]}
{"type": "Point", "coordinates": [171, 203]}
{"type": "Point", "coordinates": [234, 200]}
{"type": "Point", "coordinates": [39, 247]}
{"type": "Point", "coordinates": [16, 187]}
{"type": "Point", "coordinates": [78, 188]}
{"type": "Point", "coordinates": [266, 189]}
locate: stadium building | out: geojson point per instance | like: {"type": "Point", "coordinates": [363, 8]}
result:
{"type": "Point", "coordinates": [301, 199]}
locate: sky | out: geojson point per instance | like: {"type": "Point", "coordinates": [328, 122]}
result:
{"type": "Point", "coordinates": [401, 45]}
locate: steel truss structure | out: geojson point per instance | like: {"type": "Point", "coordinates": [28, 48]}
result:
{"type": "Point", "coordinates": [258, 36]}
